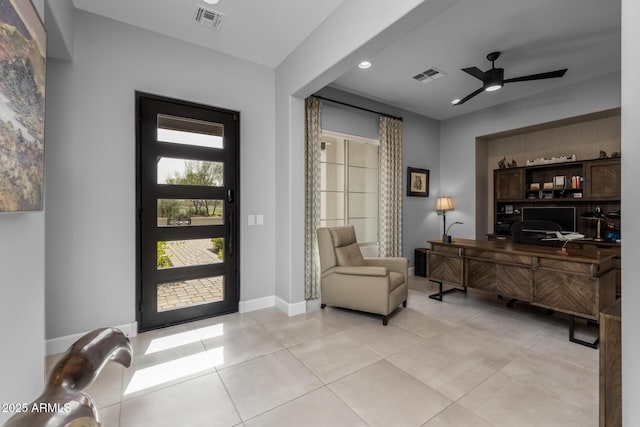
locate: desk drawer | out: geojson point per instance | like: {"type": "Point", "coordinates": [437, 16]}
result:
{"type": "Point", "coordinates": [514, 282]}
{"type": "Point", "coordinates": [481, 275]}
{"type": "Point", "coordinates": [480, 254]}
{"type": "Point", "coordinates": [446, 249]}
{"type": "Point", "coordinates": [525, 260]}
{"type": "Point", "coordinates": [565, 266]}
{"type": "Point", "coordinates": [571, 293]}
{"type": "Point", "coordinates": [444, 268]}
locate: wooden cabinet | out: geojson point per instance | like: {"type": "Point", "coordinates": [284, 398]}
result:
{"type": "Point", "coordinates": [611, 366]}
{"type": "Point", "coordinates": [509, 184]}
{"type": "Point", "coordinates": [602, 179]}
{"type": "Point", "coordinates": [588, 185]}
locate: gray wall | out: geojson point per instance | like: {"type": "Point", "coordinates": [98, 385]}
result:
{"type": "Point", "coordinates": [630, 213]}
{"type": "Point", "coordinates": [90, 162]}
{"type": "Point", "coordinates": [420, 149]}
{"type": "Point", "coordinates": [21, 307]}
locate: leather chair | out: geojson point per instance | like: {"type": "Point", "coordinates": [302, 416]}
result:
{"type": "Point", "coordinates": [374, 285]}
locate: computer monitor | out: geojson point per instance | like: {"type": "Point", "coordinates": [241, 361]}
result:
{"type": "Point", "coordinates": [564, 216]}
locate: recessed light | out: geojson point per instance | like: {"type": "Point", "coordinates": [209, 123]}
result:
{"type": "Point", "coordinates": [364, 65]}
{"type": "Point", "coordinates": [211, 1]}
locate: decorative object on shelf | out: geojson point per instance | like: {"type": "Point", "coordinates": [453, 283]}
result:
{"type": "Point", "coordinates": [501, 164]}
{"type": "Point", "coordinates": [596, 216]}
{"type": "Point", "coordinates": [534, 186]}
{"type": "Point", "coordinates": [444, 204]}
{"type": "Point", "coordinates": [577, 181]}
{"type": "Point", "coordinates": [615, 154]}
{"type": "Point", "coordinates": [603, 154]}
{"type": "Point", "coordinates": [547, 186]}
{"type": "Point", "coordinates": [508, 209]}
{"type": "Point", "coordinates": [550, 160]}
{"type": "Point", "coordinates": [417, 182]}
{"type": "Point", "coordinates": [513, 164]}
{"type": "Point", "coordinates": [559, 182]}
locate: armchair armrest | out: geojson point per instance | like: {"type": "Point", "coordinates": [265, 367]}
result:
{"type": "Point", "coordinates": [361, 271]}
{"type": "Point", "coordinates": [397, 264]}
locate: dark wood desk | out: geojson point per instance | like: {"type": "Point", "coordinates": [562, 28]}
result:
{"type": "Point", "coordinates": [580, 282]}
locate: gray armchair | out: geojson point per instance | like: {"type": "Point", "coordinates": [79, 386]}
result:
{"type": "Point", "coordinates": [374, 285]}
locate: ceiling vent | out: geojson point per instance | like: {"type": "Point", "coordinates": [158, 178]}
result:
{"type": "Point", "coordinates": [209, 18]}
{"type": "Point", "coordinates": [429, 75]}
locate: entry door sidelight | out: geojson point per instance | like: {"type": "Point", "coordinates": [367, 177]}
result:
{"type": "Point", "coordinates": [187, 195]}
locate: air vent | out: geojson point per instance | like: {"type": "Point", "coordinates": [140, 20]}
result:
{"type": "Point", "coordinates": [209, 18]}
{"type": "Point", "coordinates": [429, 75]}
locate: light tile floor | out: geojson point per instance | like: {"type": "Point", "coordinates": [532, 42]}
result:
{"type": "Point", "coordinates": [467, 362]}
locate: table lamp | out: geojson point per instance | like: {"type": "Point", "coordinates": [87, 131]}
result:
{"type": "Point", "coordinates": [444, 204]}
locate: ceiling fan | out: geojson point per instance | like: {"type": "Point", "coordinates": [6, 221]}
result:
{"type": "Point", "coordinates": [493, 79]}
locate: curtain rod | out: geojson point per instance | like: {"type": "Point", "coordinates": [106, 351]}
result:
{"type": "Point", "coordinates": [356, 107]}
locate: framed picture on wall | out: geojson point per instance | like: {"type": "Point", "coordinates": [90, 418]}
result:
{"type": "Point", "coordinates": [417, 182]}
{"type": "Point", "coordinates": [22, 89]}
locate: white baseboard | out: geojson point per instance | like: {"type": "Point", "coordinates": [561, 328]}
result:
{"type": "Point", "coordinates": [291, 309]}
{"type": "Point", "coordinates": [412, 271]}
{"type": "Point", "coordinates": [256, 304]}
{"type": "Point", "coordinates": [61, 344]}
{"type": "Point", "coordinates": [273, 301]}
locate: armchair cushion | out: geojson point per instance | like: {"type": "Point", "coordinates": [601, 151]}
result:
{"type": "Point", "coordinates": [349, 255]}
{"type": "Point", "coordinates": [362, 271]}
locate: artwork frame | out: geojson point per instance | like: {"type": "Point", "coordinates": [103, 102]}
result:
{"type": "Point", "coordinates": [417, 182]}
{"type": "Point", "coordinates": [22, 106]}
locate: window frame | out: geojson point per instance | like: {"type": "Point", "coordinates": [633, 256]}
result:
{"type": "Point", "coordinates": [346, 138]}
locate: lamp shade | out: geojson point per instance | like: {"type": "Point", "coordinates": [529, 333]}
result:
{"type": "Point", "coordinates": [444, 204]}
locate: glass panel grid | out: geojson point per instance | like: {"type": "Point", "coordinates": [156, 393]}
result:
{"type": "Point", "coordinates": [349, 186]}
{"type": "Point", "coordinates": [172, 171]}
{"type": "Point", "coordinates": [189, 212]}
{"type": "Point", "coordinates": [181, 130]}
{"type": "Point", "coordinates": [189, 293]}
{"type": "Point", "coordinates": [186, 253]}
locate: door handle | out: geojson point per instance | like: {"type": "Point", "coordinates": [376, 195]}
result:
{"type": "Point", "coordinates": [231, 232]}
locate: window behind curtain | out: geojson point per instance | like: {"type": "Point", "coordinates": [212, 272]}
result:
{"type": "Point", "coordinates": [349, 184]}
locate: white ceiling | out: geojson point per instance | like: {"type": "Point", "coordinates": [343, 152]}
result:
{"type": "Point", "coordinates": [533, 36]}
{"type": "Point", "coordinates": [260, 31]}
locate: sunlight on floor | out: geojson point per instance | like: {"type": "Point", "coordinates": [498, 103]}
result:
{"type": "Point", "coordinates": [176, 340]}
{"type": "Point", "coordinates": [173, 370]}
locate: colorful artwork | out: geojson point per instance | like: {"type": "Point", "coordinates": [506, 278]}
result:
{"type": "Point", "coordinates": [22, 90]}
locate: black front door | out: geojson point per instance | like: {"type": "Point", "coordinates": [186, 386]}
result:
{"type": "Point", "coordinates": [187, 192]}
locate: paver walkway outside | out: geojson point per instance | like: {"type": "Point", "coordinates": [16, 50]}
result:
{"type": "Point", "coordinates": [188, 293]}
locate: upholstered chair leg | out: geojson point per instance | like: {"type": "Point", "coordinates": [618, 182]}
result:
{"type": "Point", "coordinates": [323, 306]}
{"type": "Point", "coordinates": [404, 304]}
{"type": "Point", "coordinates": [385, 320]}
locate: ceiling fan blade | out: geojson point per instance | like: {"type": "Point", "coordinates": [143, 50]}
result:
{"type": "Point", "coordinates": [540, 76]}
{"type": "Point", "coordinates": [468, 97]}
{"type": "Point", "coordinates": [475, 72]}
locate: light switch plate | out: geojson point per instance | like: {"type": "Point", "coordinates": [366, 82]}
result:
{"type": "Point", "coordinates": [259, 219]}
{"type": "Point", "coordinates": [251, 219]}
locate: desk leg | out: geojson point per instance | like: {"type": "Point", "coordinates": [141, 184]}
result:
{"type": "Point", "coordinates": [594, 344]}
{"type": "Point", "coordinates": [438, 296]}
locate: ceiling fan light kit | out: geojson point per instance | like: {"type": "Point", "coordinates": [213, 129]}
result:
{"type": "Point", "coordinates": [493, 79]}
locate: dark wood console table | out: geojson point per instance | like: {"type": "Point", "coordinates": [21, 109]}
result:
{"type": "Point", "coordinates": [580, 282]}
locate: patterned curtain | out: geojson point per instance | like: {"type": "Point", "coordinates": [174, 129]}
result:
{"type": "Point", "coordinates": [390, 188]}
{"type": "Point", "coordinates": [312, 129]}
